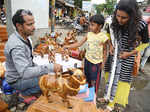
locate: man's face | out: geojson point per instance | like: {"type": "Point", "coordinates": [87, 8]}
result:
{"type": "Point", "coordinates": [122, 17]}
{"type": "Point", "coordinates": [28, 27]}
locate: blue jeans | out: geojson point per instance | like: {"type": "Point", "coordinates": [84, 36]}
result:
{"type": "Point", "coordinates": [27, 87]}
{"type": "Point", "coordinates": [145, 54]}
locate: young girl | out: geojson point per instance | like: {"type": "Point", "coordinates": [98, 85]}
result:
{"type": "Point", "coordinates": [94, 50]}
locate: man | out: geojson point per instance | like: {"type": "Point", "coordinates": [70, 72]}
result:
{"type": "Point", "coordinates": [21, 73]}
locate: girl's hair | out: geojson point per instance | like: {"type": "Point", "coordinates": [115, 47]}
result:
{"type": "Point", "coordinates": [98, 19]}
{"type": "Point", "coordinates": [132, 9]}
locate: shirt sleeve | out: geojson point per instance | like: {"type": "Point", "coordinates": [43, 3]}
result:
{"type": "Point", "coordinates": [25, 66]}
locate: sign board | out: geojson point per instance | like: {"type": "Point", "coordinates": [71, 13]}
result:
{"type": "Point", "coordinates": [86, 6]}
{"type": "Point", "coordinates": [39, 8]}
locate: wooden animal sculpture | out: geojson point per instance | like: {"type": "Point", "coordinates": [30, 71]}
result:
{"type": "Point", "coordinates": [51, 56]}
{"type": "Point", "coordinates": [71, 38]}
{"type": "Point", "coordinates": [41, 49]}
{"type": "Point", "coordinates": [55, 35]}
{"type": "Point", "coordinates": [63, 86]}
{"type": "Point", "coordinates": [64, 53]}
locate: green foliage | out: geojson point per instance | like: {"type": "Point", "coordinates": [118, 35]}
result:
{"type": "Point", "coordinates": [78, 3]}
{"type": "Point", "coordinates": [107, 8]}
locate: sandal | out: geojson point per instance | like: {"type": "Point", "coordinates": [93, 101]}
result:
{"type": "Point", "coordinates": [141, 70]}
{"type": "Point", "coordinates": [119, 108]}
{"type": "Point", "coordinates": [102, 101]}
{"type": "Point", "coordinates": [108, 109]}
{"type": "Point", "coordinates": [28, 101]}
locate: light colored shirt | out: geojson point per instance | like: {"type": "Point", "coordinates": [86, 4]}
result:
{"type": "Point", "coordinates": [94, 49]}
{"type": "Point", "coordinates": [19, 63]}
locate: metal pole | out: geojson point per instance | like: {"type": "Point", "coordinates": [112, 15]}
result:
{"type": "Point", "coordinates": [10, 28]}
{"type": "Point", "coordinates": [53, 16]}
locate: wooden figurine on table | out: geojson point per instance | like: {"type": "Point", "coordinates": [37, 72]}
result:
{"type": "Point", "coordinates": [71, 38]}
{"type": "Point", "coordinates": [51, 56]}
{"type": "Point", "coordinates": [63, 86]}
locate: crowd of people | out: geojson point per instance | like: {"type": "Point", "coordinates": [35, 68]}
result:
{"type": "Point", "coordinates": [113, 51]}
{"type": "Point", "coordinates": [2, 12]}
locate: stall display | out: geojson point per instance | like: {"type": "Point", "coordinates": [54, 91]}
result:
{"type": "Point", "coordinates": [70, 38]}
{"type": "Point", "coordinates": [49, 46]}
{"type": "Point", "coordinates": [63, 85]}
{"type": "Point", "coordinates": [3, 106]}
{"type": "Point", "coordinates": [60, 90]}
{"type": "Point", "coordinates": [59, 93]}
{"type": "Point", "coordinates": [58, 105]}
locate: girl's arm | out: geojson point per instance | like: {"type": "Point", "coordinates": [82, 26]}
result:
{"type": "Point", "coordinates": [77, 44]}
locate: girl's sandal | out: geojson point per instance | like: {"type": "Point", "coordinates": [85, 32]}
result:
{"type": "Point", "coordinates": [102, 101]}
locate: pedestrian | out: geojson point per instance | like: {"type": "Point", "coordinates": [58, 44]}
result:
{"type": "Point", "coordinates": [1, 5]}
{"type": "Point", "coordinates": [146, 52]}
{"type": "Point", "coordinates": [22, 73]}
{"type": "Point", "coordinates": [144, 57]}
{"type": "Point", "coordinates": [2, 12]}
{"type": "Point", "coordinates": [96, 42]}
{"type": "Point", "coordinates": [129, 31]}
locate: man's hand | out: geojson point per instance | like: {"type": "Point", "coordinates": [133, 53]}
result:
{"type": "Point", "coordinates": [57, 68]}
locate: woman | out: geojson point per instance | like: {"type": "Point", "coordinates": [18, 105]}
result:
{"type": "Point", "coordinates": [128, 29]}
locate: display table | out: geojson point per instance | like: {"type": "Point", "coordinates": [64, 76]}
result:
{"type": "Point", "coordinates": [71, 63]}
{"type": "Point", "coordinates": [3, 106]}
{"type": "Point", "coordinates": [78, 105]}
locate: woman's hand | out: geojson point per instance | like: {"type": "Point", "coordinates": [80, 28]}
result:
{"type": "Point", "coordinates": [124, 55]}
{"type": "Point", "coordinates": [111, 50]}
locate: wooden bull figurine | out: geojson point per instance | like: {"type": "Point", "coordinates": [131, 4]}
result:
{"type": "Point", "coordinates": [69, 84]}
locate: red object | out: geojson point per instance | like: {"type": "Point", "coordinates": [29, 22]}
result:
{"type": "Point", "coordinates": [28, 100]}
{"type": "Point", "coordinates": [75, 53]}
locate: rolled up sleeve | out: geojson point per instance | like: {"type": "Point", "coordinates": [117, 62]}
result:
{"type": "Point", "coordinates": [25, 66]}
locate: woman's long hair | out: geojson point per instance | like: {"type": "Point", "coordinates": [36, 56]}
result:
{"type": "Point", "coordinates": [132, 9]}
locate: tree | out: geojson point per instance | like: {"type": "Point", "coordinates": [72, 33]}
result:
{"type": "Point", "coordinates": [148, 2]}
{"type": "Point", "coordinates": [107, 8]}
{"type": "Point", "coordinates": [78, 3]}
